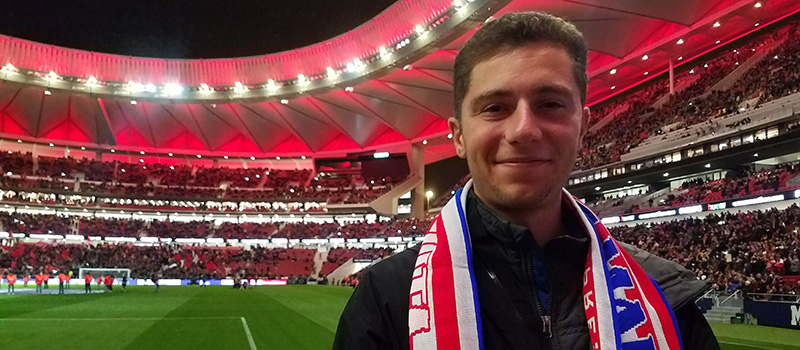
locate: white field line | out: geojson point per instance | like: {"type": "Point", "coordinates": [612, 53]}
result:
{"type": "Point", "coordinates": [249, 335]}
{"type": "Point", "coordinates": [115, 319]}
{"type": "Point", "coordinates": [747, 345]}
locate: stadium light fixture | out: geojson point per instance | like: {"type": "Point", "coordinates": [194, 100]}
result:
{"type": "Point", "coordinates": [47, 92]}
{"type": "Point", "coordinates": [19, 141]}
{"type": "Point", "coordinates": [51, 144]}
{"type": "Point", "coordinates": [613, 71]}
{"type": "Point", "coordinates": [380, 155]}
{"type": "Point", "coordinates": [348, 89]}
{"type": "Point", "coordinates": [52, 76]}
{"type": "Point", "coordinates": [239, 88]}
{"type": "Point", "coordinates": [172, 89]}
{"type": "Point", "coordinates": [301, 79]}
{"type": "Point", "coordinates": [133, 86]}
{"type": "Point", "coordinates": [271, 85]}
{"type": "Point", "coordinates": [383, 52]}
{"type": "Point", "coordinates": [8, 68]}
{"type": "Point", "coordinates": [277, 158]}
{"type": "Point", "coordinates": [252, 158]}
{"type": "Point", "coordinates": [645, 57]}
{"type": "Point", "coordinates": [680, 41]}
{"type": "Point", "coordinates": [646, 73]}
{"type": "Point", "coordinates": [420, 30]}
{"type": "Point", "coordinates": [797, 194]}
{"type": "Point", "coordinates": [303, 157]}
{"type": "Point", "coordinates": [226, 157]}
{"type": "Point", "coordinates": [141, 152]}
{"type": "Point", "coordinates": [757, 5]}
{"type": "Point", "coordinates": [717, 42]}
{"type": "Point", "coordinates": [205, 89]}
{"type": "Point", "coordinates": [757, 24]}
{"type": "Point", "coordinates": [284, 101]}
{"type": "Point", "coordinates": [613, 87]}
{"type": "Point", "coordinates": [680, 58]}
{"type": "Point", "coordinates": [170, 154]}
{"type": "Point", "coordinates": [716, 24]}
{"type": "Point", "coordinates": [597, 188]}
{"type": "Point", "coordinates": [133, 102]}
{"type": "Point", "coordinates": [708, 165]}
{"type": "Point", "coordinates": [630, 181]}
{"type": "Point", "coordinates": [450, 135]}
{"type": "Point", "coordinates": [407, 67]}
{"type": "Point", "coordinates": [113, 150]}
{"type": "Point", "coordinates": [350, 67]}
{"type": "Point", "coordinates": [330, 72]}
{"type": "Point", "coordinates": [199, 156]}
{"type": "Point", "coordinates": [755, 155]}
{"type": "Point", "coordinates": [151, 88]}
{"type": "Point", "coordinates": [429, 194]}
{"type": "Point", "coordinates": [83, 148]}
{"type": "Point", "coordinates": [92, 81]}
{"type": "Point", "coordinates": [666, 174]}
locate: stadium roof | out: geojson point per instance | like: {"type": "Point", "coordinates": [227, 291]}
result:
{"type": "Point", "coordinates": [398, 90]}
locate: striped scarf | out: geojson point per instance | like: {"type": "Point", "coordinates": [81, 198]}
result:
{"type": "Point", "coordinates": [624, 307]}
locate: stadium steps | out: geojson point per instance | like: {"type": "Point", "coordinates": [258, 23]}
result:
{"type": "Point", "coordinates": [730, 79]}
{"type": "Point", "coordinates": [722, 314]}
{"type": "Point", "coordinates": [387, 203]}
{"type": "Point", "coordinates": [678, 88]}
{"type": "Point", "coordinates": [609, 117]}
{"type": "Point", "coordinates": [319, 259]}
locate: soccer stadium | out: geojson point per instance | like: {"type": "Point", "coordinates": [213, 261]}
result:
{"type": "Point", "coordinates": [223, 176]}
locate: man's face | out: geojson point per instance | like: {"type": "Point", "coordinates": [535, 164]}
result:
{"type": "Point", "coordinates": [521, 126]}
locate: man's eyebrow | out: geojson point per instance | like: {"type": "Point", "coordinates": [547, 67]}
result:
{"type": "Point", "coordinates": [475, 103]}
{"type": "Point", "coordinates": [552, 88]}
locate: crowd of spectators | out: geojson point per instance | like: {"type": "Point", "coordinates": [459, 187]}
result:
{"type": "Point", "coordinates": [742, 182]}
{"type": "Point", "coordinates": [162, 260]}
{"type": "Point", "coordinates": [114, 227]}
{"type": "Point", "coordinates": [750, 250]}
{"type": "Point", "coordinates": [769, 79]}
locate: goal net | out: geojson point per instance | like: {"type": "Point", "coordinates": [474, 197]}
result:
{"type": "Point", "coordinates": [96, 272]}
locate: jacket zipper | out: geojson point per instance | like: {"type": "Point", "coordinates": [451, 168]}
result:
{"type": "Point", "coordinates": [533, 294]}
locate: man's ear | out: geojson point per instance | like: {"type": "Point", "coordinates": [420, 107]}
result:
{"type": "Point", "coordinates": [458, 139]}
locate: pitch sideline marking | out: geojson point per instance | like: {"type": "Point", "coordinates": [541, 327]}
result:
{"type": "Point", "coordinates": [748, 345]}
{"type": "Point", "coordinates": [249, 335]}
{"type": "Point", "coordinates": [117, 318]}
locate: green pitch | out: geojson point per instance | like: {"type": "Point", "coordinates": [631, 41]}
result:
{"type": "Point", "coordinates": [190, 317]}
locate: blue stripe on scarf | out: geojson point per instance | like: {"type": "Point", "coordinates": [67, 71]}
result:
{"type": "Point", "coordinates": [671, 313]}
{"type": "Point", "coordinates": [468, 245]}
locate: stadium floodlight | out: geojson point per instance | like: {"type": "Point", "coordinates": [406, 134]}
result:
{"type": "Point", "coordinates": [303, 157]}
{"type": "Point", "coordinates": [613, 71]}
{"type": "Point", "coordinates": [172, 89]}
{"type": "Point", "coordinates": [424, 142]}
{"type": "Point", "coordinates": [134, 86]}
{"type": "Point", "coordinates": [239, 88]}
{"type": "Point", "coordinates": [797, 194]}
{"type": "Point", "coordinates": [301, 79]}
{"type": "Point", "coordinates": [151, 88]}
{"type": "Point", "coordinates": [52, 76]}
{"type": "Point", "coordinates": [278, 158]}
{"type": "Point", "coordinates": [680, 41]}
{"type": "Point", "coordinates": [330, 72]}
{"type": "Point", "coordinates": [47, 92]}
{"type": "Point", "coordinates": [450, 135]}
{"type": "Point", "coordinates": [757, 5]}
{"type": "Point", "coordinates": [252, 158]}
{"type": "Point", "coordinates": [613, 87]}
{"type": "Point", "coordinates": [133, 102]}
{"type": "Point", "coordinates": [716, 24]}
{"type": "Point", "coordinates": [645, 57]}
{"type": "Point", "coordinates": [92, 81]}
{"type": "Point", "coordinates": [8, 68]}
{"type": "Point", "coordinates": [205, 89]}
{"type": "Point", "coordinates": [284, 101]}
{"type": "Point", "coordinates": [380, 155]}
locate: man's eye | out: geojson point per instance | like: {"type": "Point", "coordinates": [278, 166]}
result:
{"type": "Point", "coordinates": [552, 104]}
{"type": "Point", "coordinates": [493, 108]}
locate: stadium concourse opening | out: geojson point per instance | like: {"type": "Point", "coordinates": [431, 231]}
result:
{"type": "Point", "coordinates": [181, 193]}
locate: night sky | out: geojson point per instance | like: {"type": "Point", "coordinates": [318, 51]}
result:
{"type": "Point", "coordinates": [182, 28]}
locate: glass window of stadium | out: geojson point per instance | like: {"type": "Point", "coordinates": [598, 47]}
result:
{"type": "Point", "coordinates": [736, 141]}
{"type": "Point", "coordinates": [761, 135]}
{"type": "Point", "coordinates": [676, 156]}
{"type": "Point", "coordinates": [772, 132]}
{"type": "Point", "coordinates": [747, 139]}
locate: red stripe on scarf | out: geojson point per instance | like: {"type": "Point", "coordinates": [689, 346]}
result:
{"type": "Point", "coordinates": [444, 294]}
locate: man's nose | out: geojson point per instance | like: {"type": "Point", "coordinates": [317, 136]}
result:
{"type": "Point", "coordinates": [522, 126]}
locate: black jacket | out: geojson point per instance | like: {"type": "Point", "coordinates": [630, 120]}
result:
{"type": "Point", "coordinates": [513, 275]}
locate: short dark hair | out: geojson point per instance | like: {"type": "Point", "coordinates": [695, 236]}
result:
{"type": "Point", "coordinates": [511, 31]}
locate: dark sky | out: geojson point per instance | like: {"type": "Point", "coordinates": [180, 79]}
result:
{"type": "Point", "coordinates": [183, 28]}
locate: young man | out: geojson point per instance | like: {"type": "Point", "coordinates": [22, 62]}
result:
{"type": "Point", "coordinates": [11, 278]}
{"type": "Point", "coordinates": [63, 278]}
{"type": "Point", "coordinates": [109, 282]}
{"type": "Point", "coordinates": [39, 280]}
{"type": "Point", "coordinates": [513, 261]}
{"type": "Point", "coordinates": [87, 279]}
